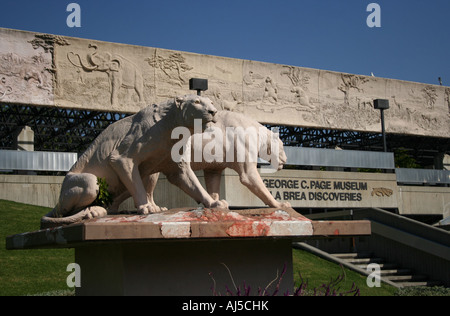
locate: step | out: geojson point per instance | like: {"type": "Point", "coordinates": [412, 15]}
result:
{"type": "Point", "coordinates": [389, 272]}
{"type": "Point", "coordinates": [419, 283]}
{"type": "Point", "coordinates": [383, 266]}
{"type": "Point", "coordinates": [406, 277]}
{"type": "Point", "coordinates": [365, 260]}
{"type": "Point", "coordinates": [353, 255]}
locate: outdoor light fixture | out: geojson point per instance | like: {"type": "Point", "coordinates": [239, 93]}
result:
{"type": "Point", "coordinates": [380, 104]}
{"type": "Point", "coordinates": [198, 84]}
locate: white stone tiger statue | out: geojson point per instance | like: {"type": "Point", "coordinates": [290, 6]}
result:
{"type": "Point", "coordinates": [127, 154]}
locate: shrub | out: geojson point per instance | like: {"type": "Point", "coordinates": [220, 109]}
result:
{"type": "Point", "coordinates": [104, 198]}
{"type": "Point", "coordinates": [423, 291]}
{"type": "Point", "coordinates": [331, 288]}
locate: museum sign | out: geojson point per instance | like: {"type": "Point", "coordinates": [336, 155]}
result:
{"type": "Point", "coordinates": [321, 189]}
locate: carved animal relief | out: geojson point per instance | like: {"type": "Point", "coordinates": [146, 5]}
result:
{"type": "Point", "coordinates": [430, 96]}
{"type": "Point", "coordinates": [174, 68]}
{"type": "Point", "coordinates": [381, 192]}
{"type": "Point", "coordinates": [121, 72]}
{"type": "Point", "coordinates": [128, 155]}
{"type": "Point", "coordinates": [26, 73]}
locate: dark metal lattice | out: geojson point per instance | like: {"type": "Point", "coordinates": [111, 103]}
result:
{"type": "Point", "coordinates": [425, 150]}
{"type": "Point", "coordinates": [69, 130]}
{"type": "Point", "coordinates": [322, 138]}
{"type": "Point", "coordinates": [64, 130]}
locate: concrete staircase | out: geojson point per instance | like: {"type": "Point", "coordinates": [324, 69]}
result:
{"type": "Point", "coordinates": [401, 276]}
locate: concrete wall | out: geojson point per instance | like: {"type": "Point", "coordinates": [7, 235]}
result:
{"type": "Point", "coordinates": [409, 243]}
{"type": "Point", "coordinates": [34, 190]}
{"type": "Point", "coordinates": [44, 191]}
{"type": "Point", "coordinates": [73, 74]}
{"type": "Point", "coordinates": [419, 200]}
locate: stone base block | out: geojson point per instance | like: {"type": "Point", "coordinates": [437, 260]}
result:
{"type": "Point", "coordinates": [184, 268]}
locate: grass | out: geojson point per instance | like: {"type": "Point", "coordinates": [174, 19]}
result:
{"type": "Point", "coordinates": [26, 272]}
{"type": "Point", "coordinates": [31, 272]}
{"type": "Point", "coordinates": [317, 271]}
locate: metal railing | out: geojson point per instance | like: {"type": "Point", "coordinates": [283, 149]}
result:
{"type": "Point", "coordinates": [422, 176]}
{"type": "Point", "coordinates": [298, 156]}
{"type": "Point", "coordinates": [408, 242]}
{"type": "Point", "coordinates": [36, 160]}
{"type": "Point", "coordinates": [303, 156]}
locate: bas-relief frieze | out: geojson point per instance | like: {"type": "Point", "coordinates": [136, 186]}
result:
{"type": "Point", "coordinates": [26, 69]}
{"type": "Point", "coordinates": [316, 98]}
{"type": "Point", "coordinates": [224, 78]}
{"type": "Point", "coordinates": [174, 69]}
{"type": "Point", "coordinates": [417, 108]}
{"type": "Point", "coordinates": [103, 76]}
{"type": "Point", "coordinates": [106, 76]}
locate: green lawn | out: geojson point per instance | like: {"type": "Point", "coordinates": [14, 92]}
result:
{"type": "Point", "coordinates": [27, 272]}
{"type": "Point", "coordinates": [317, 271]}
{"type": "Point", "coordinates": [24, 272]}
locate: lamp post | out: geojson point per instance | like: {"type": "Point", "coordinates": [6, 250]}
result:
{"type": "Point", "coordinates": [198, 84]}
{"type": "Point", "coordinates": [380, 104]}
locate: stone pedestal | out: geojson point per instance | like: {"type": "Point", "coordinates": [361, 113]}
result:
{"type": "Point", "coordinates": [183, 268]}
{"type": "Point", "coordinates": [186, 252]}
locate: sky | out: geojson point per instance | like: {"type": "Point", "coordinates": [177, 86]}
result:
{"type": "Point", "coordinates": [412, 42]}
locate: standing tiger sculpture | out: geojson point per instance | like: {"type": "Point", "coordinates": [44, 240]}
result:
{"type": "Point", "coordinates": [127, 154]}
